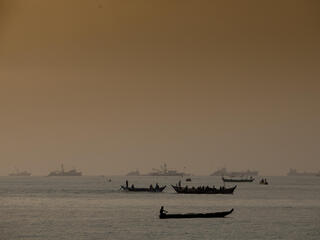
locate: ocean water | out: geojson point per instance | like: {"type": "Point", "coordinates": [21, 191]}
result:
{"type": "Point", "coordinates": [91, 208]}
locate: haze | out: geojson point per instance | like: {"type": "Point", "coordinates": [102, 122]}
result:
{"type": "Point", "coordinates": [113, 86]}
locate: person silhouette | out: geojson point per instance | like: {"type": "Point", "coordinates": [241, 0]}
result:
{"type": "Point", "coordinates": [162, 211]}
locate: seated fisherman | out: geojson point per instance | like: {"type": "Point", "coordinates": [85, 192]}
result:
{"type": "Point", "coordinates": [162, 211]}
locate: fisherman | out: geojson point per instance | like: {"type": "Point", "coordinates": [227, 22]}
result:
{"type": "Point", "coordinates": [179, 183]}
{"type": "Point", "coordinates": [162, 211]}
{"type": "Point", "coordinates": [151, 187]}
{"type": "Point", "coordinates": [127, 183]}
{"type": "Point", "coordinates": [132, 186]}
{"type": "Point", "coordinates": [157, 186]}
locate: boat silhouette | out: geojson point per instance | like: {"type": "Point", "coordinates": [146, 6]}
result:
{"type": "Point", "coordinates": [165, 215]}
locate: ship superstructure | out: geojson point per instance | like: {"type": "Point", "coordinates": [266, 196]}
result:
{"type": "Point", "coordinates": [294, 172]}
{"type": "Point", "coordinates": [18, 173]}
{"type": "Point", "coordinates": [134, 173]}
{"type": "Point", "coordinates": [164, 171]}
{"type": "Point", "coordinates": [62, 172]}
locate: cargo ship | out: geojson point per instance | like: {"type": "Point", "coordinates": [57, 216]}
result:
{"type": "Point", "coordinates": [164, 171]}
{"type": "Point", "coordinates": [18, 173]}
{"type": "Point", "coordinates": [294, 172]}
{"type": "Point", "coordinates": [62, 172]}
{"type": "Point", "coordinates": [134, 173]}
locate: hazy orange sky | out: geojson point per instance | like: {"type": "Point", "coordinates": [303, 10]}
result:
{"type": "Point", "coordinates": [111, 86]}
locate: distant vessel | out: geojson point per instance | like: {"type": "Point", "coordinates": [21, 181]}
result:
{"type": "Point", "coordinates": [224, 172]}
{"type": "Point", "coordinates": [134, 173]}
{"type": "Point", "coordinates": [164, 171]}
{"type": "Point", "coordinates": [250, 179]}
{"type": "Point", "coordinates": [17, 173]}
{"type": "Point", "coordinates": [294, 172]}
{"type": "Point", "coordinates": [62, 172]}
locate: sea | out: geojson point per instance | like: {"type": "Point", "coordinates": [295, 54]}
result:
{"type": "Point", "coordinates": [92, 208]}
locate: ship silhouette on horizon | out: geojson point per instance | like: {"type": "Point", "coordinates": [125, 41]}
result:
{"type": "Point", "coordinates": [163, 171]}
{"type": "Point", "coordinates": [294, 172]}
{"type": "Point", "coordinates": [19, 173]}
{"type": "Point", "coordinates": [62, 172]}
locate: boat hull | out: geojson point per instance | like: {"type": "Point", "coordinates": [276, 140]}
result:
{"type": "Point", "coordinates": [153, 190]}
{"type": "Point", "coordinates": [196, 215]}
{"type": "Point", "coordinates": [183, 190]}
{"type": "Point", "coordinates": [237, 180]}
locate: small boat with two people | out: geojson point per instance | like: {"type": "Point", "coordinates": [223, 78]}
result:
{"type": "Point", "coordinates": [264, 181]}
{"type": "Point", "coordinates": [164, 214]}
{"type": "Point", "coordinates": [250, 179]}
{"type": "Point", "coordinates": [132, 188]}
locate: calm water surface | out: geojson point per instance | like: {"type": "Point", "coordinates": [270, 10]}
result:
{"type": "Point", "coordinates": [90, 208]}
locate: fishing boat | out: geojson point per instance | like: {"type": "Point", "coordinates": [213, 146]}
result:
{"type": "Point", "coordinates": [155, 189]}
{"type": "Point", "coordinates": [250, 179]}
{"type": "Point", "coordinates": [203, 190]}
{"type": "Point", "coordinates": [165, 215]}
{"type": "Point", "coordinates": [134, 189]}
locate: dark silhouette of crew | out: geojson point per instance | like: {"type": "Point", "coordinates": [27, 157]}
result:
{"type": "Point", "coordinates": [162, 211]}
